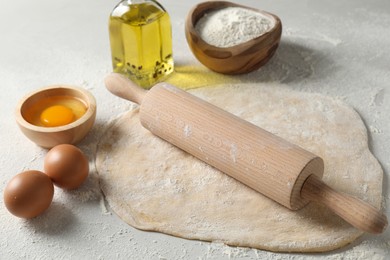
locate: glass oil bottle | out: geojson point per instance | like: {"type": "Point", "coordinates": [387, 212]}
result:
{"type": "Point", "coordinates": [141, 41]}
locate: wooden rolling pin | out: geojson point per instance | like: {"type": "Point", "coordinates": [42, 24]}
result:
{"type": "Point", "coordinates": [268, 164]}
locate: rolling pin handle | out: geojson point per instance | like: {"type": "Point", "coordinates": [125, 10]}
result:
{"type": "Point", "coordinates": [355, 211]}
{"type": "Point", "coordinates": [124, 88]}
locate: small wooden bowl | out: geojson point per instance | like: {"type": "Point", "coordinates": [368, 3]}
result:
{"type": "Point", "coordinates": [49, 137]}
{"type": "Point", "coordinates": [238, 59]}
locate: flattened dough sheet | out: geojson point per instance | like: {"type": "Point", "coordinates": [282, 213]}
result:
{"type": "Point", "coordinates": [153, 185]}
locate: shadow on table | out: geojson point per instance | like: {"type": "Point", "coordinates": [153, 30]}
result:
{"type": "Point", "coordinates": [292, 63]}
{"type": "Point", "coordinates": [56, 220]}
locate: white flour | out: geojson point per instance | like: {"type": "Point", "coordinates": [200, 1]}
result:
{"type": "Point", "coordinates": [232, 25]}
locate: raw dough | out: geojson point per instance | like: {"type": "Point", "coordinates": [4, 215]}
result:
{"type": "Point", "coordinates": [154, 186]}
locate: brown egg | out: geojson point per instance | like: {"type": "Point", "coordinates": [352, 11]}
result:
{"type": "Point", "coordinates": [28, 194]}
{"type": "Point", "coordinates": [67, 166]}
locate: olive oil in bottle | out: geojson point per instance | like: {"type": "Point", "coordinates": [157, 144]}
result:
{"type": "Point", "coordinates": [141, 41]}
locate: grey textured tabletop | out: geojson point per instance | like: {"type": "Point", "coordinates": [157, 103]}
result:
{"type": "Point", "coordinates": [336, 48]}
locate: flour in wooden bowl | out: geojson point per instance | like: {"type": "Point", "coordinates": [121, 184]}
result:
{"type": "Point", "coordinates": [232, 25]}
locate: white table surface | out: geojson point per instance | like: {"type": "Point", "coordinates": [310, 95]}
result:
{"type": "Point", "coordinates": [337, 48]}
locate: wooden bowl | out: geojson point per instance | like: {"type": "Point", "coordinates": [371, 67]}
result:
{"type": "Point", "coordinates": [242, 58]}
{"type": "Point", "coordinates": [49, 137]}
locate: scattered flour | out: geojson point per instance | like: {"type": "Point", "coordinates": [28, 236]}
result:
{"type": "Point", "coordinates": [103, 207]}
{"type": "Point", "coordinates": [232, 25]}
{"type": "Point", "coordinates": [375, 130]}
{"type": "Point", "coordinates": [187, 130]}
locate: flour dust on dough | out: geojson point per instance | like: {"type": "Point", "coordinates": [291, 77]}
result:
{"type": "Point", "coordinates": [153, 185]}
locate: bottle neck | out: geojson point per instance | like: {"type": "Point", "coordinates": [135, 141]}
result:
{"type": "Point", "coordinates": [154, 2]}
{"type": "Point", "coordinates": [136, 1]}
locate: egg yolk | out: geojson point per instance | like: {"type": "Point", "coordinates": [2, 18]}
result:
{"type": "Point", "coordinates": [57, 116]}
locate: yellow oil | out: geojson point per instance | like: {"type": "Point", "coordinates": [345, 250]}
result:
{"type": "Point", "coordinates": [33, 114]}
{"type": "Point", "coordinates": [141, 42]}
